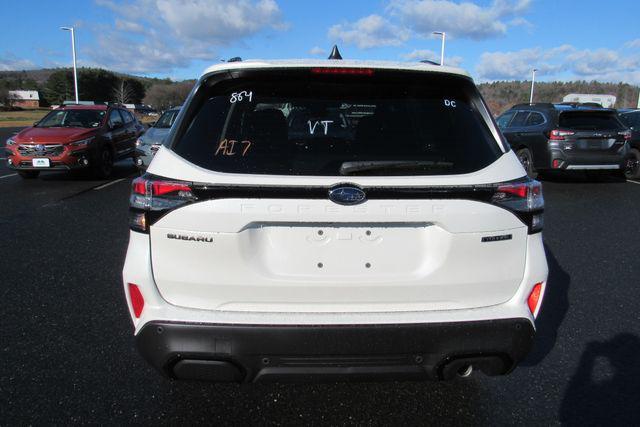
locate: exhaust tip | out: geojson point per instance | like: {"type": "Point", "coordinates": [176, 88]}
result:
{"type": "Point", "coordinates": [465, 371]}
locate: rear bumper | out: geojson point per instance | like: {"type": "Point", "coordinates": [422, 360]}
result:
{"type": "Point", "coordinates": [565, 160]}
{"type": "Point", "coordinates": [263, 353]}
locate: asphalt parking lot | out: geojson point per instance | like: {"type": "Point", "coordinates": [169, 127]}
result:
{"type": "Point", "coordinates": [67, 353]}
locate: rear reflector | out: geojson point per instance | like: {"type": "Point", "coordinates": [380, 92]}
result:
{"type": "Point", "coordinates": [534, 298]}
{"type": "Point", "coordinates": [137, 301]}
{"type": "Point", "coordinates": [343, 71]}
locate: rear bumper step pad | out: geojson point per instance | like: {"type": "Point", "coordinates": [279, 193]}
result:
{"type": "Point", "coordinates": [256, 353]}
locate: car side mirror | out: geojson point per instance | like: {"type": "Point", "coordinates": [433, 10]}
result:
{"type": "Point", "coordinates": [116, 125]}
{"type": "Point", "coordinates": [150, 124]}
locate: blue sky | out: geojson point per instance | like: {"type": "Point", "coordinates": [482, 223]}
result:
{"type": "Point", "coordinates": [492, 39]}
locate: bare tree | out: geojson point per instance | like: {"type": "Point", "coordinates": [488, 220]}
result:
{"type": "Point", "coordinates": [166, 95]}
{"type": "Point", "coordinates": [123, 93]}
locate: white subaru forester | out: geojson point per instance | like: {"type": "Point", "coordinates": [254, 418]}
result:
{"type": "Point", "coordinates": [333, 219]}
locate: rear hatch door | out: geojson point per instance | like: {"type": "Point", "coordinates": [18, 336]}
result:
{"type": "Point", "coordinates": [594, 131]}
{"type": "Point", "coordinates": [265, 147]}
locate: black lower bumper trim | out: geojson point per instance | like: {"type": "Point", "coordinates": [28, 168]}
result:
{"type": "Point", "coordinates": [252, 353]}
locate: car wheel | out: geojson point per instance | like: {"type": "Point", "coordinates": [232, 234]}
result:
{"type": "Point", "coordinates": [632, 164]}
{"type": "Point", "coordinates": [28, 174]}
{"type": "Point", "coordinates": [104, 164]}
{"type": "Point", "coordinates": [526, 159]}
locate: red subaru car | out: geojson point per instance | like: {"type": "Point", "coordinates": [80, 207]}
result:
{"type": "Point", "coordinates": [75, 137]}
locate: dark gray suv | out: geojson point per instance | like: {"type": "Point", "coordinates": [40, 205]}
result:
{"type": "Point", "coordinates": [566, 137]}
{"type": "Point", "coordinates": [631, 118]}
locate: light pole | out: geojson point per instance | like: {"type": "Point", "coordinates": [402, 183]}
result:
{"type": "Point", "coordinates": [444, 35]}
{"type": "Point", "coordinates": [73, 50]}
{"type": "Point", "coordinates": [533, 82]}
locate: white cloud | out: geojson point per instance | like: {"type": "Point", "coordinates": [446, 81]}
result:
{"type": "Point", "coordinates": [169, 34]}
{"type": "Point", "coordinates": [317, 50]}
{"type": "Point", "coordinates": [606, 65]}
{"type": "Point", "coordinates": [129, 26]}
{"type": "Point", "coordinates": [9, 62]}
{"type": "Point", "coordinates": [632, 44]}
{"type": "Point", "coordinates": [134, 57]}
{"type": "Point", "coordinates": [459, 19]}
{"type": "Point", "coordinates": [218, 21]}
{"type": "Point", "coordinates": [370, 31]}
{"type": "Point", "coordinates": [422, 54]}
{"type": "Point", "coordinates": [509, 65]}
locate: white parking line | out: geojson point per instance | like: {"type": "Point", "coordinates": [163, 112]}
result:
{"type": "Point", "coordinates": [633, 182]}
{"type": "Point", "coordinates": [100, 187]}
{"type": "Point", "coordinates": [7, 176]}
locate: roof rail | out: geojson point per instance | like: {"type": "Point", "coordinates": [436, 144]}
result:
{"type": "Point", "coordinates": [235, 59]}
{"type": "Point", "coordinates": [535, 104]}
{"type": "Point", "coordinates": [428, 61]}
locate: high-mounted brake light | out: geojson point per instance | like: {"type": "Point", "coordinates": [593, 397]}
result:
{"type": "Point", "coordinates": [343, 71]}
{"type": "Point", "coordinates": [151, 198]}
{"type": "Point", "coordinates": [559, 135]}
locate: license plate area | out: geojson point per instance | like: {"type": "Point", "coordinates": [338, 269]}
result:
{"type": "Point", "coordinates": [40, 163]}
{"type": "Point", "coordinates": [595, 143]}
{"type": "Point", "coordinates": [328, 250]}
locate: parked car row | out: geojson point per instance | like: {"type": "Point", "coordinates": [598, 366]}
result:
{"type": "Point", "coordinates": [268, 241]}
{"type": "Point", "coordinates": [85, 137]}
{"type": "Point", "coordinates": [148, 144]}
{"type": "Point", "coordinates": [546, 137]}
{"type": "Point", "coordinates": [570, 137]}
{"type": "Point", "coordinates": [75, 137]}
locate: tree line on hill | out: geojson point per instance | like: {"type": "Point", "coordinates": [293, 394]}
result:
{"type": "Point", "coordinates": [501, 95]}
{"type": "Point", "coordinates": [94, 84]}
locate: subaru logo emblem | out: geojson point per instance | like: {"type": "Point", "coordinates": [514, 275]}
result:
{"type": "Point", "coordinates": [39, 147]}
{"type": "Point", "coordinates": [347, 195]}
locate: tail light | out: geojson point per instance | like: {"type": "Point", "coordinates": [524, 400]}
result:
{"type": "Point", "coordinates": [151, 198]}
{"type": "Point", "coordinates": [626, 134]}
{"type": "Point", "coordinates": [559, 134]}
{"type": "Point", "coordinates": [524, 198]}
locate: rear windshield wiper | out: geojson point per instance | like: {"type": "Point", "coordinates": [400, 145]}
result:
{"type": "Point", "coordinates": [349, 168]}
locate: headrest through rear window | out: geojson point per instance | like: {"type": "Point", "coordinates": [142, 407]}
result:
{"type": "Point", "coordinates": [266, 127]}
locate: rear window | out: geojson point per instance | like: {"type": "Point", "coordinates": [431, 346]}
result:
{"type": "Point", "coordinates": [301, 123]}
{"type": "Point", "coordinates": [630, 119]}
{"type": "Point", "coordinates": [582, 120]}
{"type": "Point", "coordinates": [166, 120]}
